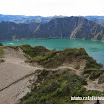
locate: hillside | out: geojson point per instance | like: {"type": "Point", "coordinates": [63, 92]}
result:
{"type": "Point", "coordinates": [71, 27]}
{"type": "Point", "coordinates": [67, 27]}
{"type": "Point", "coordinates": [13, 31]}
{"type": "Point", "coordinates": [48, 75]}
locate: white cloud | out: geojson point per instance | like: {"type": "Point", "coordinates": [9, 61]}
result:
{"type": "Point", "coordinates": [52, 7]}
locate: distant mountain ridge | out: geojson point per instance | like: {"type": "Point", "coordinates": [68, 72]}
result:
{"type": "Point", "coordinates": [41, 19]}
{"type": "Point", "coordinates": [67, 27]}
{"type": "Point", "coordinates": [97, 19]}
{"type": "Point", "coordinates": [27, 19]}
{"type": "Point", "coordinates": [16, 18]}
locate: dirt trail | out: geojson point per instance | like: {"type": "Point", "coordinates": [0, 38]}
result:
{"type": "Point", "coordinates": [64, 67]}
{"type": "Point", "coordinates": [15, 75]}
{"type": "Point", "coordinates": [92, 85]}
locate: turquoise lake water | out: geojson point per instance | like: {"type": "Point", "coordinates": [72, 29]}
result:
{"type": "Point", "coordinates": [93, 48]}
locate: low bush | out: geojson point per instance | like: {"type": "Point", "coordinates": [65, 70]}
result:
{"type": "Point", "coordinates": [1, 52]}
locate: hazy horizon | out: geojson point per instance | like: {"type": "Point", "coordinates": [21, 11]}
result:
{"type": "Point", "coordinates": [52, 7]}
{"type": "Point", "coordinates": [49, 16]}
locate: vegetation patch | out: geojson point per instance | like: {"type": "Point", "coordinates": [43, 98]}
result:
{"type": "Point", "coordinates": [1, 51]}
{"type": "Point", "coordinates": [52, 87]}
{"type": "Point", "coordinates": [53, 58]}
{"type": "Point", "coordinates": [93, 68]}
{"type": "Point", "coordinates": [33, 51]}
{"type": "Point", "coordinates": [77, 67]}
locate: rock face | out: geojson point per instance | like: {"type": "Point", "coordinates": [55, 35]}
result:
{"type": "Point", "coordinates": [68, 27]}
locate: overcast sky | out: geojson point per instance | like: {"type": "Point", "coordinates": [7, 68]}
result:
{"type": "Point", "coordinates": [52, 7]}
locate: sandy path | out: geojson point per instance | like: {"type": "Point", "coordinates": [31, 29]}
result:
{"type": "Point", "coordinates": [64, 67]}
{"type": "Point", "coordinates": [15, 75]}
{"type": "Point", "coordinates": [93, 85]}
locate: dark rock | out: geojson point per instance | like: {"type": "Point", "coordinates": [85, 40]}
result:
{"type": "Point", "coordinates": [1, 44]}
{"type": "Point", "coordinates": [97, 102]}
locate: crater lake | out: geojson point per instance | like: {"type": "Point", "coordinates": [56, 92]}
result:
{"type": "Point", "coordinates": [95, 49]}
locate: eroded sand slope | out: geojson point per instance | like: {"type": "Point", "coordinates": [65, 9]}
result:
{"type": "Point", "coordinates": [15, 76]}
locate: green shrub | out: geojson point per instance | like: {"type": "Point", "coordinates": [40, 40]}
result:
{"type": "Point", "coordinates": [1, 52]}
{"type": "Point", "coordinates": [77, 67]}
{"type": "Point", "coordinates": [95, 74]}
{"type": "Point", "coordinates": [1, 44]}
{"type": "Point", "coordinates": [33, 51]}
